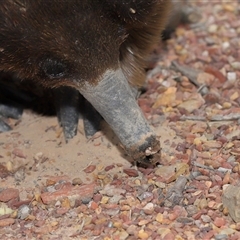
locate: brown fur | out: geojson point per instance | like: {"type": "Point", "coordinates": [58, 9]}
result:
{"type": "Point", "coordinates": [59, 43]}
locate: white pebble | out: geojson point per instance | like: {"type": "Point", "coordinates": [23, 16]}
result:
{"type": "Point", "coordinates": [23, 212]}
{"type": "Point", "coordinates": [231, 76]}
{"type": "Point", "coordinates": [225, 45]}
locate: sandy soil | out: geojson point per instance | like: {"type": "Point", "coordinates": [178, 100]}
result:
{"type": "Point", "coordinates": [39, 137]}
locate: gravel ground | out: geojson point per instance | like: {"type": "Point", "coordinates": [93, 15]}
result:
{"type": "Point", "coordinates": [89, 190]}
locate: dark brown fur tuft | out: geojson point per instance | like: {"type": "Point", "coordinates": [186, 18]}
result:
{"type": "Point", "coordinates": [59, 43]}
{"type": "Point", "coordinates": [144, 31]}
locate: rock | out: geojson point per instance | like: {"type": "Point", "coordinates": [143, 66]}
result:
{"type": "Point", "coordinates": [192, 104]}
{"type": "Point", "coordinates": [167, 98]}
{"type": "Point", "coordinates": [163, 232]}
{"type": "Point", "coordinates": [216, 73]}
{"type": "Point", "coordinates": [6, 222]}
{"type": "Point", "coordinates": [191, 210]}
{"type": "Point", "coordinates": [108, 168]}
{"type": "Point", "coordinates": [9, 194]}
{"type": "Point", "coordinates": [77, 181]}
{"type": "Point", "coordinates": [4, 171]}
{"type": "Point", "coordinates": [111, 190]}
{"type": "Point", "coordinates": [235, 65]}
{"type": "Point", "coordinates": [142, 234]}
{"type": "Point", "coordinates": [232, 76]}
{"type": "Point", "coordinates": [90, 169]}
{"type": "Point", "coordinates": [50, 182]}
{"type": "Point", "coordinates": [23, 212]}
{"type": "Point", "coordinates": [19, 175]}
{"type": "Point", "coordinates": [132, 229]}
{"type": "Point", "coordinates": [231, 200]}
{"type": "Point", "coordinates": [169, 236]}
{"type": "Point", "coordinates": [61, 211]}
{"type": "Point", "coordinates": [4, 209]}
{"type": "Point", "coordinates": [227, 231]}
{"type": "Point", "coordinates": [171, 173]}
{"type": "Point", "coordinates": [148, 209]}
{"type": "Point", "coordinates": [212, 28]}
{"type": "Point", "coordinates": [115, 198]}
{"type": "Point", "coordinates": [159, 218]}
{"type": "Point", "coordinates": [93, 205]}
{"type": "Point", "coordinates": [221, 237]}
{"type": "Point", "coordinates": [206, 218]}
{"type": "Point", "coordinates": [97, 197]}
{"type": "Point", "coordinates": [206, 78]}
{"type": "Point", "coordinates": [219, 222]}
{"type": "Point", "coordinates": [185, 220]}
{"type": "Point", "coordinates": [121, 235]}
{"type": "Point", "coordinates": [131, 172]}
{"type": "Point", "coordinates": [72, 192]}
{"type": "Point", "coordinates": [19, 153]}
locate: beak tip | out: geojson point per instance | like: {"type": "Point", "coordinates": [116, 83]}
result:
{"type": "Point", "coordinates": [146, 154]}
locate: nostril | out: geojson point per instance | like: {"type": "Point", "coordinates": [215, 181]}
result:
{"type": "Point", "coordinates": [54, 68]}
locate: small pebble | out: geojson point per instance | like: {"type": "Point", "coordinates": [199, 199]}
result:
{"type": "Point", "coordinates": [23, 212]}
{"type": "Point", "coordinates": [77, 181]}
{"type": "Point", "coordinates": [225, 45]}
{"type": "Point", "coordinates": [206, 218]}
{"type": "Point", "coordinates": [221, 237]}
{"type": "Point", "coordinates": [115, 199]}
{"type": "Point", "coordinates": [212, 28]}
{"type": "Point", "coordinates": [148, 209]}
{"type": "Point", "coordinates": [191, 210]}
{"type": "Point", "coordinates": [6, 222]}
{"type": "Point", "coordinates": [142, 234]}
{"type": "Point", "coordinates": [231, 76]}
{"type": "Point", "coordinates": [159, 217]}
{"type": "Point", "coordinates": [8, 194]}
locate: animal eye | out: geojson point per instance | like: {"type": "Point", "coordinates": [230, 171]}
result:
{"type": "Point", "coordinates": [54, 68]}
